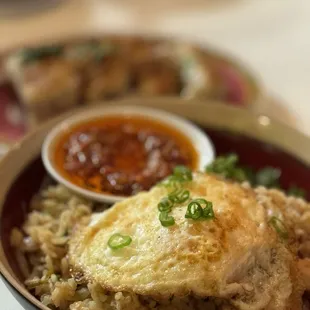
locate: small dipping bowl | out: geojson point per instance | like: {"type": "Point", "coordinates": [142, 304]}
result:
{"type": "Point", "coordinates": [200, 142]}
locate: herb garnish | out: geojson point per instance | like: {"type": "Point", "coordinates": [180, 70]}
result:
{"type": "Point", "coordinates": [165, 205]}
{"type": "Point", "coordinates": [118, 241]}
{"type": "Point", "coordinates": [279, 227]}
{"type": "Point", "coordinates": [183, 173]}
{"type": "Point", "coordinates": [195, 210]}
{"type": "Point", "coordinates": [33, 54]}
{"type": "Point", "coordinates": [269, 177]}
{"type": "Point", "coordinates": [296, 191]}
{"type": "Point", "coordinates": [227, 167]}
{"type": "Point", "coordinates": [180, 175]}
{"type": "Point", "coordinates": [165, 219]}
{"type": "Point", "coordinates": [180, 195]}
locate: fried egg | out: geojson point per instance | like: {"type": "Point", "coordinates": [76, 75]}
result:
{"type": "Point", "coordinates": [237, 255]}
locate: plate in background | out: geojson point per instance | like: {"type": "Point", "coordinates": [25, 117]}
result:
{"type": "Point", "coordinates": [241, 86]}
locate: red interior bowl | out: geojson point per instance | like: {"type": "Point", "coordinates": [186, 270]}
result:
{"type": "Point", "coordinates": [23, 174]}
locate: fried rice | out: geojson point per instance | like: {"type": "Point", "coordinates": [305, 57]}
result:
{"type": "Point", "coordinates": [41, 246]}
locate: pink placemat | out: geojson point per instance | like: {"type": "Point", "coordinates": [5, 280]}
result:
{"type": "Point", "coordinates": [12, 120]}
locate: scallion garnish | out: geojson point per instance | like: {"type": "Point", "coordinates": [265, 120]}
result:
{"type": "Point", "coordinates": [228, 167]}
{"type": "Point", "coordinates": [268, 177]}
{"type": "Point", "coordinates": [33, 54]}
{"type": "Point", "coordinates": [195, 210]}
{"type": "Point", "coordinates": [279, 227]}
{"type": "Point", "coordinates": [179, 195]}
{"type": "Point", "coordinates": [296, 191]}
{"type": "Point", "coordinates": [183, 173]}
{"type": "Point", "coordinates": [208, 212]}
{"type": "Point", "coordinates": [165, 205]}
{"type": "Point", "coordinates": [166, 219]}
{"type": "Point", "coordinates": [118, 241]}
{"type": "Point", "coordinates": [180, 174]}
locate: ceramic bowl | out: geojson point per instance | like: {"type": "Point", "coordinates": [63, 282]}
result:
{"type": "Point", "coordinates": [199, 140]}
{"type": "Point", "coordinates": [258, 140]}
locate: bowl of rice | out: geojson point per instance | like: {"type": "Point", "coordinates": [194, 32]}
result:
{"type": "Point", "coordinates": [39, 217]}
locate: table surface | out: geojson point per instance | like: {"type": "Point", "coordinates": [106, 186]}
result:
{"type": "Point", "coordinates": [271, 36]}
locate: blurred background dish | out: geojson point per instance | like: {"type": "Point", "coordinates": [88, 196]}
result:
{"type": "Point", "coordinates": [43, 81]}
{"type": "Point", "coordinates": [242, 28]}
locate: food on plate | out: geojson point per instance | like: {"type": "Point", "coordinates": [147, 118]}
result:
{"type": "Point", "coordinates": [230, 253]}
{"type": "Point", "coordinates": [158, 76]}
{"type": "Point", "coordinates": [204, 77]}
{"type": "Point", "coordinates": [104, 71]}
{"type": "Point", "coordinates": [139, 50]}
{"type": "Point", "coordinates": [196, 78]}
{"type": "Point", "coordinates": [53, 78]}
{"type": "Point", "coordinates": [194, 241]}
{"type": "Point", "coordinates": [45, 82]}
{"type": "Point", "coordinates": [107, 77]}
{"type": "Point", "coordinates": [228, 167]}
{"type": "Point", "coordinates": [155, 69]}
{"type": "Point", "coordinates": [85, 53]}
{"type": "Point", "coordinates": [122, 155]}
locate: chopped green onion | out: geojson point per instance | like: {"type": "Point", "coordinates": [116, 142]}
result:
{"type": "Point", "coordinates": [166, 220]}
{"type": "Point", "coordinates": [250, 175]}
{"type": "Point", "coordinates": [223, 165]}
{"type": "Point", "coordinates": [194, 210]}
{"type": "Point", "coordinates": [165, 205]}
{"type": "Point", "coordinates": [279, 227]}
{"type": "Point", "coordinates": [297, 192]}
{"type": "Point", "coordinates": [170, 181]}
{"type": "Point", "coordinates": [118, 241]}
{"type": "Point", "coordinates": [172, 196]}
{"type": "Point", "coordinates": [240, 175]}
{"type": "Point", "coordinates": [268, 177]}
{"type": "Point", "coordinates": [182, 173]}
{"type": "Point", "coordinates": [179, 195]}
{"type": "Point", "coordinates": [33, 54]}
{"type": "Point", "coordinates": [208, 212]}
{"type": "Point", "coordinates": [227, 167]}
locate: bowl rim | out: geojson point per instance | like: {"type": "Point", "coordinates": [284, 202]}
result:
{"type": "Point", "coordinates": [199, 140]}
{"type": "Point", "coordinates": [222, 117]}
